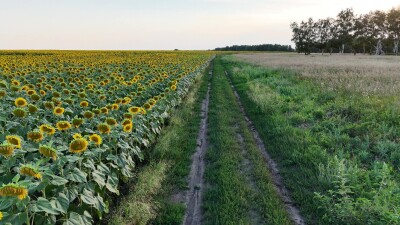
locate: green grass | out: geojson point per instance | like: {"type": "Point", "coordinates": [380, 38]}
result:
{"type": "Point", "coordinates": [338, 151]}
{"type": "Point", "coordinates": [237, 192]}
{"type": "Point", "coordinates": [176, 146]}
{"type": "Point", "coordinates": [149, 198]}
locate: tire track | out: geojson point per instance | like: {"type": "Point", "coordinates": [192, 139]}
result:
{"type": "Point", "coordinates": [193, 214]}
{"type": "Point", "coordinates": [283, 193]}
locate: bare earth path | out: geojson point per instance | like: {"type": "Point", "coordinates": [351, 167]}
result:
{"type": "Point", "coordinates": [193, 213]}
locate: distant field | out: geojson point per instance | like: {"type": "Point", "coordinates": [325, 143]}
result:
{"type": "Point", "coordinates": [362, 73]}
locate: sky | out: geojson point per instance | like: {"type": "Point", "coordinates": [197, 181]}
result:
{"type": "Point", "coordinates": [161, 24]}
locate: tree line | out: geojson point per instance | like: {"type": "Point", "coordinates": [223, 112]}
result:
{"type": "Point", "coordinates": [262, 47]}
{"type": "Point", "coordinates": [377, 32]}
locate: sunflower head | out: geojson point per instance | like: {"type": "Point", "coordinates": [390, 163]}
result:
{"type": "Point", "coordinates": [19, 112]}
{"type": "Point", "coordinates": [14, 190]}
{"type": "Point", "coordinates": [128, 128]}
{"type": "Point", "coordinates": [49, 105]}
{"type": "Point", "coordinates": [47, 129]}
{"type": "Point", "coordinates": [134, 109]}
{"type": "Point", "coordinates": [20, 102]}
{"type": "Point", "coordinates": [2, 93]}
{"type": "Point", "coordinates": [111, 121]}
{"type": "Point", "coordinates": [84, 104]}
{"type": "Point", "coordinates": [63, 125]}
{"type": "Point", "coordinates": [126, 121]}
{"type": "Point", "coordinates": [35, 136]}
{"type": "Point", "coordinates": [14, 140]}
{"type": "Point", "coordinates": [58, 111]}
{"type": "Point", "coordinates": [30, 92]}
{"type": "Point", "coordinates": [48, 151]}
{"type": "Point", "coordinates": [7, 149]}
{"type": "Point", "coordinates": [35, 97]}
{"type": "Point", "coordinates": [96, 111]}
{"type": "Point", "coordinates": [29, 170]}
{"type": "Point", "coordinates": [147, 106]}
{"type": "Point", "coordinates": [96, 139]}
{"type": "Point", "coordinates": [78, 145]}
{"type": "Point", "coordinates": [76, 136]}
{"type": "Point", "coordinates": [77, 121]}
{"type": "Point", "coordinates": [104, 128]}
{"type": "Point", "coordinates": [88, 114]}
{"type": "Point", "coordinates": [128, 116]}
{"type": "Point", "coordinates": [173, 87]}
{"type": "Point", "coordinates": [115, 106]}
{"type": "Point", "coordinates": [104, 110]}
{"type": "Point", "coordinates": [32, 108]}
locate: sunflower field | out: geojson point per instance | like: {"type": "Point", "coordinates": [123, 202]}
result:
{"type": "Point", "coordinates": [73, 125]}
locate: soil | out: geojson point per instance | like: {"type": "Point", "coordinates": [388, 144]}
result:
{"type": "Point", "coordinates": [194, 195]}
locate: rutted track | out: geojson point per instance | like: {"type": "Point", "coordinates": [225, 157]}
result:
{"type": "Point", "coordinates": [193, 214]}
{"type": "Point", "coordinates": [284, 194]}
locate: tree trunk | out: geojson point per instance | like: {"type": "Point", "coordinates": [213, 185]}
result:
{"type": "Point", "coordinates": [378, 48]}
{"type": "Point", "coordinates": [342, 49]}
{"type": "Point", "coordinates": [364, 48]}
{"type": "Point", "coordinates": [396, 47]}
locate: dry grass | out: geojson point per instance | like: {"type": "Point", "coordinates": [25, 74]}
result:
{"type": "Point", "coordinates": [369, 75]}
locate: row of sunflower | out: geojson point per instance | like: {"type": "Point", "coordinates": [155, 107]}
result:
{"type": "Point", "coordinates": [73, 125]}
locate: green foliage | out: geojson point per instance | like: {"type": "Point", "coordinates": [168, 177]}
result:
{"type": "Point", "coordinates": [338, 151]}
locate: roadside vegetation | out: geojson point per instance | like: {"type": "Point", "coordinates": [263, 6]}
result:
{"type": "Point", "coordinates": [239, 186]}
{"type": "Point", "coordinates": [337, 147]}
{"type": "Point", "coordinates": [151, 198]}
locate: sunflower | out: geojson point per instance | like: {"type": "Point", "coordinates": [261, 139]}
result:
{"type": "Point", "coordinates": [126, 121]}
{"type": "Point", "coordinates": [78, 145]}
{"type": "Point", "coordinates": [35, 136]}
{"type": "Point", "coordinates": [48, 151]}
{"type": "Point", "coordinates": [104, 128]}
{"type": "Point", "coordinates": [76, 136]}
{"type": "Point", "coordinates": [32, 108]}
{"type": "Point", "coordinates": [1, 215]}
{"type": "Point", "coordinates": [49, 105]}
{"type": "Point", "coordinates": [42, 92]}
{"type": "Point", "coordinates": [20, 102]}
{"type": "Point", "coordinates": [104, 110]}
{"type": "Point", "coordinates": [111, 121]}
{"type": "Point", "coordinates": [14, 140]}
{"type": "Point", "coordinates": [128, 128]}
{"type": "Point", "coordinates": [96, 111]}
{"type": "Point", "coordinates": [58, 111]}
{"type": "Point", "coordinates": [96, 139]}
{"type": "Point", "coordinates": [77, 122]}
{"type": "Point", "coordinates": [14, 190]}
{"type": "Point", "coordinates": [29, 170]}
{"type": "Point", "coordinates": [15, 82]}
{"type": "Point", "coordinates": [128, 116]}
{"type": "Point", "coordinates": [115, 106]}
{"type": "Point", "coordinates": [173, 87]}
{"type": "Point", "coordinates": [19, 112]}
{"type": "Point", "coordinates": [35, 97]}
{"type": "Point", "coordinates": [88, 114]}
{"type": "Point", "coordinates": [63, 125]}
{"type": "Point", "coordinates": [47, 129]}
{"type": "Point", "coordinates": [134, 110]}
{"type": "Point", "coordinates": [84, 104]}
{"type": "Point", "coordinates": [30, 92]}
{"type": "Point", "coordinates": [143, 111]}
{"type": "Point", "coordinates": [147, 106]}
{"type": "Point", "coordinates": [3, 93]}
{"type": "Point", "coordinates": [7, 149]}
